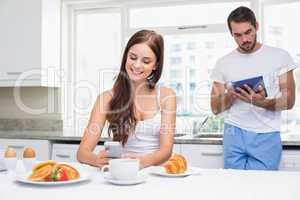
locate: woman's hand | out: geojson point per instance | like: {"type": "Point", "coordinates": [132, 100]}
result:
{"type": "Point", "coordinates": [102, 158]}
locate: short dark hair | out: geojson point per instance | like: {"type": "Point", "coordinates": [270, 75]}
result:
{"type": "Point", "coordinates": [241, 14]}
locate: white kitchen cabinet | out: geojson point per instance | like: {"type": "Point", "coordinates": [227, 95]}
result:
{"type": "Point", "coordinates": [42, 147]}
{"type": "Point", "coordinates": [67, 152]}
{"type": "Point", "coordinates": [290, 160]}
{"type": "Point", "coordinates": [176, 148]}
{"type": "Point", "coordinates": [203, 155]}
{"type": "Point", "coordinates": [30, 42]}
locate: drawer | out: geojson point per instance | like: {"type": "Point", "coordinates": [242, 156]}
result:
{"type": "Point", "coordinates": [67, 152]}
{"type": "Point", "coordinates": [290, 160]}
{"type": "Point", "coordinates": [177, 148]}
{"type": "Point", "coordinates": [204, 156]}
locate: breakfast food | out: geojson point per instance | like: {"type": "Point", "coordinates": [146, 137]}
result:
{"type": "Point", "coordinates": [63, 172]}
{"type": "Point", "coordinates": [41, 173]}
{"type": "Point", "coordinates": [29, 153]}
{"type": "Point", "coordinates": [177, 164]}
{"type": "Point", "coordinates": [53, 171]}
{"type": "Point", "coordinates": [10, 153]}
{"type": "Point", "coordinates": [43, 164]}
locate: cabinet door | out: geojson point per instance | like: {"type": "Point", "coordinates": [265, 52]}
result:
{"type": "Point", "coordinates": [204, 156]}
{"type": "Point", "coordinates": [20, 37]}
{"type": "Point", "coordinates": [30, 42]}
{"type": "Point", "coordinates": [67, 152]}
{"type": "Point", "coordinates": [2, 151]}
{"type": "Point", "coordinates": [290, 160]}
{"type": "Point", "coordinates": [42, 147]}
{"type": "Point", "coordinates": [177, 148]}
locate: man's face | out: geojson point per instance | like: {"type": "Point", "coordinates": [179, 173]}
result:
{"type": "Point", "coordinates": [244, 35]}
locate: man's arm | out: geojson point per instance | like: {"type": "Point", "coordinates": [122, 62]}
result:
{"type": "Point", "coordinates": [285, 102]}
{"type": "Point", "coordinates": [287, 99]}
{"type": "Point", "coordinates": [220, 99]}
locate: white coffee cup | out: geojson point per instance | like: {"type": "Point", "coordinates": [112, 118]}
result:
{"type": "Point", "coordinates": [123, 168]}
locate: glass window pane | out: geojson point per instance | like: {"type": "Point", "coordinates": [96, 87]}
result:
{"type": "Point", "coordinates": [182, 15]}
{"type": "Point", "coordinates": [280, 31]}
{"type": "Point", "coordinates": [97, 59]}
{"type": "Point", "coordinates": [187, 71]}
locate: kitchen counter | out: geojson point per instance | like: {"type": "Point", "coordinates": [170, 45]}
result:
{"type": "Point", "coordinates": [210, 184]}
{"type": "Point", "coordinates": [55, 136]}
{"type": "Point", "coordinates": [287, 140]}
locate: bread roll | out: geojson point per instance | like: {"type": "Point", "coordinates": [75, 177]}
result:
{"type": "Point", "coordinates": [177, 164]}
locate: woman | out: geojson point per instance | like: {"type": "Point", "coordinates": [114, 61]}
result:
{"type": "Point", "coordinates": [141, 115]}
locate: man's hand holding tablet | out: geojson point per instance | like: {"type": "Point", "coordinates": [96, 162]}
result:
{"type": "Point", "coordinates": [255, 83]}
{"type": "Point", "coordinates": [250, 90]}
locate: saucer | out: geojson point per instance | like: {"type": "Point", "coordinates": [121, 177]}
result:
{"type": "Point", "coordinates": [160, 171]}
{"type": "Point", "coordinates": [141, 177]}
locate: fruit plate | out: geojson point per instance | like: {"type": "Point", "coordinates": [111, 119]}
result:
{"type": "Point", "coordinates": [85, 175]}
{"type": "Point", "coordinates": [160, 171]}
{"type": "Point", "coordinates": [23, 179]}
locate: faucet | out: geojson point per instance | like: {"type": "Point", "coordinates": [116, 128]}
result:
{"type": "Point", "coordinates": [198, 125]}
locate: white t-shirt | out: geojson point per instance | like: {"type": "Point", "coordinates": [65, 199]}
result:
{"type": "Point", "coordinates": [269, 62]}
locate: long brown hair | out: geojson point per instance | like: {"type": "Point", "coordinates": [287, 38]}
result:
{"type": "Point", "coordinates": [121, 117]}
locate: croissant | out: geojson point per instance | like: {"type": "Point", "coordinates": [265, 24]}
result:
{"type": "Point", "coordinates": [176, 164]}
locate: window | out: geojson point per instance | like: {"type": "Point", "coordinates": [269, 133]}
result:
{"type": "Point", "coordinates": [193, 84]}
{"type": "Point", "coordinates": [97, 49]}
{"type": "Point", "coordinates": [182, 15]}
{"type": "Point", "coordinates": [280, 31]}
{"type": "Point", "coordinates": [193, 43]}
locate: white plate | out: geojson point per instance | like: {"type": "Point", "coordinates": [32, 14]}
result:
{"type": "Point", "coordinates": [160, 171]}
{"type": "Point", "coordinates": [24, 180]}
{"type": "Point", "coordinates": [141, 178]}
{"type": "Point", "coordinates": [84, 176]}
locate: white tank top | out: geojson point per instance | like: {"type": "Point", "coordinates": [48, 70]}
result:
{"type": "Point", "coordinates": [145, 139]}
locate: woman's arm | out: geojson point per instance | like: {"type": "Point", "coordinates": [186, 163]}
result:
{"type": "Point", "coordinates": [168, 124]}
{"type": "Point", "coordinates": [93, 132]}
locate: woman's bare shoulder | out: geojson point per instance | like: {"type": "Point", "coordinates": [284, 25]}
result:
{"type": "Point", "coordinates": [167, 97]}
{"type": "Point", "coordinates": [105, 96]}
{"type": "Point", "coordinates": [167, 92]}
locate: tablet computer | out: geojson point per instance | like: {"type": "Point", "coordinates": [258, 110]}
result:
{"type": "Point", "coordinates": [253, 83]}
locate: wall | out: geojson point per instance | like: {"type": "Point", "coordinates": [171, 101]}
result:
{"type": "Point", "coordinates": [34, 103]}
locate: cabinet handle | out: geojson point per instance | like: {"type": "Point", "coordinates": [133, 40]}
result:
{"type": "Point", "coordinates": [13, 73]}
{"type": "Point", "coordinates": [63, 156]}
{"type": "Point", "coordinates": [16, 146]}
{"type": "Point", "coordinates": [212, 153]}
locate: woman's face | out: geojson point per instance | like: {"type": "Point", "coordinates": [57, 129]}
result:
{"type": "Point", "coordinates": [140, 63]}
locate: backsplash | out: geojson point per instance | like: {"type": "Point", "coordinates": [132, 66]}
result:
{"type": "Point", "coordinates": [31, 125]}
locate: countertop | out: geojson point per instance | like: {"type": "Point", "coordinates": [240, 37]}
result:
{"type": "Point", "coordinates": [208, 184]}
{"type": "Point", "coordinates": [287, 140]}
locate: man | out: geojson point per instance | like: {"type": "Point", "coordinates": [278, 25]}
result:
{"type": "Point", "coordinates": [252, 125]}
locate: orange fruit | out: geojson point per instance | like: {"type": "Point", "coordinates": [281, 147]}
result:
{"type": "Point", "coordinates": [41, 173]}
{"type": "Point", "coordinates": [42, 164]}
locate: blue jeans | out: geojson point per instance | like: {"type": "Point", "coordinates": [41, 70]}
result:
{"type": "Point", "coordinates": [249, 150]}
